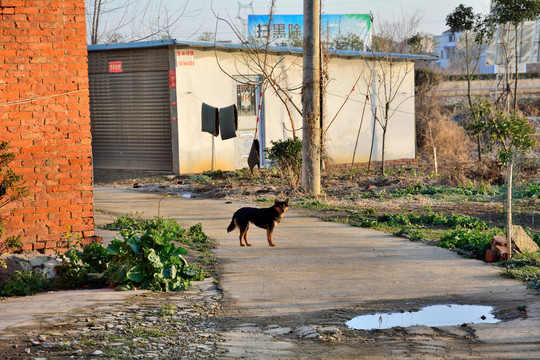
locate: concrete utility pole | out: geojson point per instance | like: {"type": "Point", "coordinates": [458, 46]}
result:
{"type": "Point", "coordinates": [311, 133]}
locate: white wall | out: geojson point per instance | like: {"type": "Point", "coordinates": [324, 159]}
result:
{"type": "Point", "coordinates": [205, 81]}
{"type": "Point", "coordinates": [343, 132]}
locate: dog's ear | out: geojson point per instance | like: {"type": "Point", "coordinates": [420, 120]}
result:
{"type": "Point", "coordinates": [276, 201]}
{"type": "Point", "coordinates": [287, 201]}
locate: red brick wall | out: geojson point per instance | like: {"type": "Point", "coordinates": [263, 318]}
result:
{"type": "Point", "coordinates": [45, 117]}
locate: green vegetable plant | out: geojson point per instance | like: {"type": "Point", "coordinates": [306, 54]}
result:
{"type": "Point", "coordinates": [149, 261]}
{"type": "Point", "coordinates": [475, 242]}
{"type": "Point", "coordinates": [82, 267]}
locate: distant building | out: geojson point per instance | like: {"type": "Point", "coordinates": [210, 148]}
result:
{"type": "Point", "coordinates": [492, 60]}
{"type": "Point", "coordinates": [445, 48]}
{"type": "Point", "coordinates": [502, 47]}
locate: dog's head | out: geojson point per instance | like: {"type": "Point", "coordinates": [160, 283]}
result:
{"type": "Point", "coordinates": [281, 206]}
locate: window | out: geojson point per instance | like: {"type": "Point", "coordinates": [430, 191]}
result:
{"type": "Point", "coordinates": [246, 99]}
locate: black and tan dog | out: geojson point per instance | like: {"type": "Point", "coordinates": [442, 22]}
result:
{"type": "Point", "coordinates": [266, 218]}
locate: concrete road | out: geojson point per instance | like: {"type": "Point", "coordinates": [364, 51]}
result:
{"type": "Point", "coordinates": [320, 268]}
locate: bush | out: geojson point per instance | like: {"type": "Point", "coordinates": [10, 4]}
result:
{"type": "Point", "coordinates": [149, 261]}
{"type": "Point", "coordinates": [82, 268]}
{"type": "Point", "coordinates": [525, 267]}
{"type": "Point", "coordinates": [472, 241]}
{"type": "Point", "coordinates": [24, 283]}
{"type": "Point", "coordinates": [11, 189]}
{"type": "Point", "coordinates": [286, 156]}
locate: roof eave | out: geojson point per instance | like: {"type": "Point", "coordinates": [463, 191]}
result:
{"type": "Point", "coordinates": [276, 50]}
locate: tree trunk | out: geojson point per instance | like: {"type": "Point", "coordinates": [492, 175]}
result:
{"type": "Point", "coordinates": [311, 144]}
{"type": "Point", "coordinates": [372, 141]}
{"type": "Point", "coordinates": [509, 206]}
{"type": "Point", "coordinates": [382, 155]}
{"type": "Point", "coordinates": [517, 63]}
{"type": "Point", "coordinates": [479, 148]}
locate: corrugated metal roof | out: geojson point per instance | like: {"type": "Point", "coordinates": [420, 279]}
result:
{"type": "Point", "coordinates": [276, 50]}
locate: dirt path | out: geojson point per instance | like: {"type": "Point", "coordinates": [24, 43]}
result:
{"type": "Point", "coordinates": [292, 301]}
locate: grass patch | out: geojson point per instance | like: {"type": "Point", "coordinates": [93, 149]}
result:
{"type": "Point", "coordinates": [146, 256]}
{"type": "Point", "coordinates": [525, 267]}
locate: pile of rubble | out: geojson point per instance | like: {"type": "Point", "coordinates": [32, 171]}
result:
{"type": "Point", "coordinates": [500, 250]}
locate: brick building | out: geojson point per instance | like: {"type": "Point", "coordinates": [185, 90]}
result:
{"type": "Point", "coordinates": [45, 117]}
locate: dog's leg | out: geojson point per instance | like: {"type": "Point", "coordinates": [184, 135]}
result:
{"type": "Point", "coordinates": [245, 237]}
{"type": "Point", "coordinates": [241, 236]}
{"type": "Point", "coordinates": [270, 235]}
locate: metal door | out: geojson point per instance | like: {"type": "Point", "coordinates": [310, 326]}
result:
{"type": "Point", "coordinates": [129, 106]}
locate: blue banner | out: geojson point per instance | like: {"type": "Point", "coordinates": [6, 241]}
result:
{"type": "Point", "coordinates": [345, 32]}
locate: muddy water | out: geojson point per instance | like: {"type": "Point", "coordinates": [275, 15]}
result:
{"type": "Point", "coordinates": [436, 315]}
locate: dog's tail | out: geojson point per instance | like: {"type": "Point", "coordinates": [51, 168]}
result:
{"type": "Point", "coordinates": [232, 225]}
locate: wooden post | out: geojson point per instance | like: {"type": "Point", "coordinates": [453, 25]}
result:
{"type": "Point", "coordinates": [509, 169]}
{"type": "Point", "coordinates": [311, 132]}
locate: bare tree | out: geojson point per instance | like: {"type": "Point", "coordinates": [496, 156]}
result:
{"type": "Point", "coordinates": [273, 72]}
{"type": "Point", "coordinates": [475, 32]}
{"type": "Point", "coordinates": [112, 21]}
{"type": "Point", "coordinates": [510, 16]}
{"type": "Point", "coordinates": [389, 70]}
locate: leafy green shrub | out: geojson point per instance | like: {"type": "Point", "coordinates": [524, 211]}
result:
{"type": "Point", "coordinates": [82, 268]}
{"type": "Point", "coordinates": [473, 241]}
{"type": "Point", "coordinates": [11, 189]}
{"type": "Point", "coordinates": [411, 234]}
{"type": "Point", "coordinates": [525, 267]}
{"type": "Point", "coordinates": [24, 283]}
{"type": "Point", "coordinates": [395, 219]}
{"type": "Point", "coordinates": [536, 238]}
{"type": "Point", "coordinates": [432, 218]}
{"type": "Point", "coordinates": [531, 190]}
{"type": "Point", "coordinates": [150, 261]}
{"type": "Point", "coordinates": [286, 155]}
{"type": "Point", "coordinates": [421, 189]}
{"type": "Point", "coordinates": [194, 236]}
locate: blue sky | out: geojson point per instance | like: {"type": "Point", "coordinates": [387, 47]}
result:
{"type": "Point", "coordinates": [433, 21]}
{"type": "Point", "coordinates": [199, 14]}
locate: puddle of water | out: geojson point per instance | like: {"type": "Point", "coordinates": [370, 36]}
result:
{"type": "Point", "coordinates": [436, 315]}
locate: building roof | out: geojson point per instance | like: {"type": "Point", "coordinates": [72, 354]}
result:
{"type": "Point", "coordinates": [275, 50]}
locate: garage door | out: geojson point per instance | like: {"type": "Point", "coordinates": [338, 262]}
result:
{"type": "Point", "coordinates": [129, 105]}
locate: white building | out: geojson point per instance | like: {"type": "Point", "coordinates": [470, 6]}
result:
{"type": "Point", "coordinates": [493, 60]}
{"type": "Point", "coordinates": [445, 48]}
{"type": "Point", "coordinates": [146, 101]}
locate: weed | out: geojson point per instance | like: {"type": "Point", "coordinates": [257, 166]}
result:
{"type": "Point", "coordinates": [168, 309]}
{"type": "Point", "coordinates": [411, 234]}
{"type": "Point", "coordinates": [370, 211]}
{"type": "Point", "coordinates": [82, 267]}
{"type": "Point", "coordinates": [24, 283]}
{"type": "Point", "coordinates": [475, 242]}
{"type": "Point", "coordinates": [530, 190]}
{"type": "Point", "coordinates": [199, 179]}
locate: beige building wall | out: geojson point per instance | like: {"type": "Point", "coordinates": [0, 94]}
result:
{"type": "Point", "coordinates": [201, 79]}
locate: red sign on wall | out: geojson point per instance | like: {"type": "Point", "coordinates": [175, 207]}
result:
{"type": "Point", "coordinates": [172, 79]}
{"type": "Point", "coordinates": [185, 57]}
{"type": "Point", "coordinates": [115, 66]}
